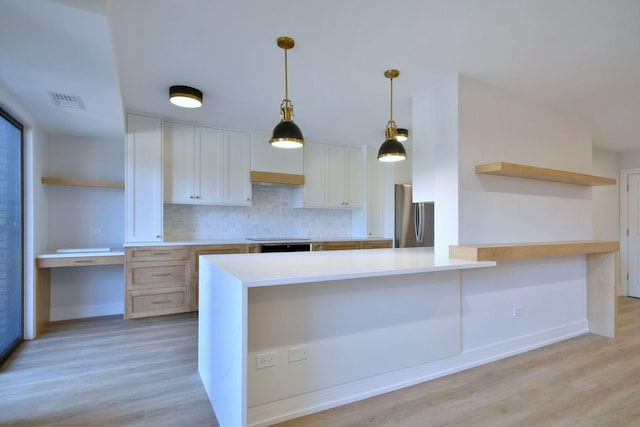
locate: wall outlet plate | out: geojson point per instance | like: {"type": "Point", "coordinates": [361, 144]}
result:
{"type": "Point", "coordinates": [298, 353]}
{"type": "Point", "coordinates": [266, 360]}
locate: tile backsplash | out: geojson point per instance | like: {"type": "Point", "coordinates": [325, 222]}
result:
{"type": "Point", "coordinates": [271, 215]}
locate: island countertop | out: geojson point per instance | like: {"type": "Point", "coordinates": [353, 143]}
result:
{"type": "Point", "coordinates": [271, 269]}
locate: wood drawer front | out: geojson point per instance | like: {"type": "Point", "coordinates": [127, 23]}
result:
{"type": "Point", "coordinates": [340, 246]}
{"type": "Point", "coordinates": [157, 253]}
{"type": "Point", "coordinates": [141, 275]}
{"type": "Point", "coordinates": [152, 302]}
{"type": "Point", "coordinates": [196, 251]}
{"type": "Point", "coordinates": [79, 261]}
{"type": "Point", "coordinates": [376, 244]}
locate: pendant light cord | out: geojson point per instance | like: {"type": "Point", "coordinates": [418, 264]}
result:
{"type": "Point", "coordinates": [391, 102]}
{"type": "Point", "coordinates": [286, 78]}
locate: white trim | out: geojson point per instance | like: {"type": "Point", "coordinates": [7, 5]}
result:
{"type": "Point", "coordinates": [297, 406]}
{"type": "Point", "coordinates": [624, 221]}
{"type": "Point", "coordinates": [83, 311]}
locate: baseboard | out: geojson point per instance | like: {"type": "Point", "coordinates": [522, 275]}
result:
{"type": "Point", "coordinates": [80, 312]}
{"type": "Point", "coordinates": [297, 406]}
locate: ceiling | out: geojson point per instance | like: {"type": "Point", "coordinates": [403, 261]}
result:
{"type": "Point", "coordinates": [581, 56]}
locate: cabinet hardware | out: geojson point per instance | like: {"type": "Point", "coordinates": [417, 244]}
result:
{"type": "Point", "coordinates": [161, 302]}
{"type": "Point", "coordinates": [191, 197]}
{"type": "Point", "coordinates": [161, 253]}
{"type": "Point", "coordinates": [83, 261]}
{"type": "Point", "coordinates": [161, 275]}
{"type": "Point", "coordinates": [158, 236]}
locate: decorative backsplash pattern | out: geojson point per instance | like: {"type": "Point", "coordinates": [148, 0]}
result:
{"type": "Point", "coordinates": [272, 215]}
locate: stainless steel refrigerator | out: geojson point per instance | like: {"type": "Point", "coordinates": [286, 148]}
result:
{"type": "Point", "coordinates": [414, 221]}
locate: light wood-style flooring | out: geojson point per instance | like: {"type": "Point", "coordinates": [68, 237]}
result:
{"type": "Point", "coordinates": [107, 372]}
{"type": "Point", "coordinates": [111, 372]}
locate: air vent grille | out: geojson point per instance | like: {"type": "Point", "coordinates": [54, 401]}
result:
{"type": "Point", "coordinates": [67, 101]}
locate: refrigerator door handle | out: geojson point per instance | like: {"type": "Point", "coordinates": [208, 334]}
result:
{"type": "Point", "coordinates": [418, 221]}
{"type": "Point", "coordinates": [421, 224]}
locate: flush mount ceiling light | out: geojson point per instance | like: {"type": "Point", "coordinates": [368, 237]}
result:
{"type": "Point", "coordinates": [391, 149]}
{"type": "Point", "coordinates": [185, 96]}
{"type": "Point", "coordinates": [402, 134]}
{"type": "Point", "coordinates": [286, 134]}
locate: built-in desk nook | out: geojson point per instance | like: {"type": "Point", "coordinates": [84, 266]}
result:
{"type": "Point", "coordinates": [65, 258]}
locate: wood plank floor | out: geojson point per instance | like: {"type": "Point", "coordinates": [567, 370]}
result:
{"type": "Point", "coordinates": [108, 372]}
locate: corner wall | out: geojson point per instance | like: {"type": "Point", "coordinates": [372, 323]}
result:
{"type": "Point", "coordinates": [461, 122]}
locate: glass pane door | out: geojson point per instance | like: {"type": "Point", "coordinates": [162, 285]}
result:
{"type": "Point", "coordinates": [11, 305]}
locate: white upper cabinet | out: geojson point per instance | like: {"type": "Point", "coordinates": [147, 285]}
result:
{"type": "Point", "coordinates": [236, 168]}
{"type": "Point", "coordinates": [143, 180]}
{"type": "Point", "coordinates": [206, 166]}
{"type": "Point", "coordinates": [333, 176]}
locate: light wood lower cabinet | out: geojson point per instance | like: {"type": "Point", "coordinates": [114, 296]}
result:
{"type": "Point", "coordinates": [196, 251]}
{"type": "Point", "coordinates": [157, 281]}
{"type": "Point", "coordinates": [164, 279]}
{"type": "Point", "coordinates": [348, 245]}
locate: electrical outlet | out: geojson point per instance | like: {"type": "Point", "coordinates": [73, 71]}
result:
{"type": "Point", "coordinates": [298, 353]}
{"type": "Point", "coordinates": [266, 360]}
{"type": "Point", "coordinates": [518, 311]}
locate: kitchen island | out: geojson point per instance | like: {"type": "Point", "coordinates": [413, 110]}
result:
{"type": "Point", "coordinates": [282, 335]}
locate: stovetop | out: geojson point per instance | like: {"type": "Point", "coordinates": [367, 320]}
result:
{"type": "Point", "coordinates": [276, 239]}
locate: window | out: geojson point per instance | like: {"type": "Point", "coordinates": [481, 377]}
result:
{"type": "Point", "coordinates": [11, 226]}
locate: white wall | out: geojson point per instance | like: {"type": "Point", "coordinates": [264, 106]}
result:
{"type": "Point", "coordinates": [494, 126]}
{"type": "Point", "coordinates": [461, 122]}
{"type": "Point", "coordinates": [606, 198]}
{"type": "Point", "coordinates": [435, 157]}
{"type": "Point", "coordinates": [75, 214]}
{"type": "Point", "coordinates": [629, 159]}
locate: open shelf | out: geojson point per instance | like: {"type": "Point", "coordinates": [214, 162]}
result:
{"type": "Point", "coordinates": [497, 252]}
{"type": "Point", "coordinates": [543, 174]}
{"type": "Point", "coordinates": [81, 182]}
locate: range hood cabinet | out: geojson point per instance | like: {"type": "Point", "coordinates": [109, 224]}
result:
{"type": "Point", "coordinates": [262, 177]}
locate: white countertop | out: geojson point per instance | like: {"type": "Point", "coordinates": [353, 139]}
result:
{"type": "Point", "coordinates": [269, 269]}
{"type": "Point", "coordinates": [246, 241]}
{"type": "Point", "coordinates": [80, 254]}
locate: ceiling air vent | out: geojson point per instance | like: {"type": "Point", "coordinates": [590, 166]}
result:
{"type": "Point", "coordinates": [68, 101]}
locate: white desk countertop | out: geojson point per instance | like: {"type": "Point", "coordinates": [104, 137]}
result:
{"type": "Point", "coordinates": [269, 269]}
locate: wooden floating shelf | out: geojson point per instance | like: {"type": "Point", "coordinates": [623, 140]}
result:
{"type": "Point", "coordinates": [498, 252]}
{"type": "Point", "coordinates": [542, 174]}
{"type": "Point", "coordinates": [81, 182]}
{"type": "Point", "coordinates": [277, 178]}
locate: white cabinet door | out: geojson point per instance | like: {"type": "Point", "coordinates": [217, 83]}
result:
{"type": "Point", "coordinates": [354, 171]}
{"type": "Point", "coordinates": [179, 153]}
{"type": "Point", "coordinates": [314, 175]}
{"type": "Point", "coordinates": [336, 176]}
{"type": "Point", "coordinates": [237, 164]}
{"type": "Point", "coordinates": [333, 176]}
{"type": "Point", "coordinates": [209, 172]}
{"type": "Point", "coordinates": [143, 185]}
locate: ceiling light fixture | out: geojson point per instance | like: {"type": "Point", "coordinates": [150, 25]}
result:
{"type": "Point", "coordinates": [286, 134]}
{"type": "Point", "coordinates": [185, 96]}
{"type": "Point", "coordinates": [391, 149]}
{"type": "Point", "coordinates": [402, 134]}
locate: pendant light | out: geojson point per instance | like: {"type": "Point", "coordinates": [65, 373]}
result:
{"type": "Point", "coordinates": [391, 149]}
{"type": "Point", "coordinates": [286, 134]}
{"type": "Point", "coordinates": [185, 96]}
{"type": "Point", "coordinates": [402, 134]}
